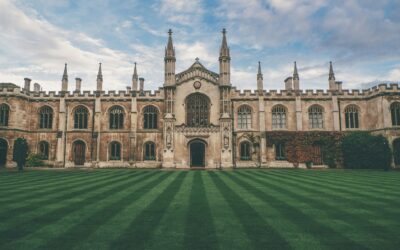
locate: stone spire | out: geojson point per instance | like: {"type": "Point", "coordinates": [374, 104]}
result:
{"type": "Point", "coordinates": [169, 62]}
{"type": "Point", "coordinates": [170, 50]}
{"type": "Point", "coordinates": [296, 79]}
{"type": "Point", "coordinates": [99, 79]}
{"type": "Point", "coordinates": [331, 73]}
{"type": "Point", "coordinates": [224, 51]}
{"type": "Point", "coordinates": [224, 62]}
{"type": "Point", "coordinates": [260, 81]}
{"type": "Point", "coordinates": [64, 80]}
{"type": "Point", "coordinates": [331, 79]}
{"type": "Point", "coordinates": [134, 79]}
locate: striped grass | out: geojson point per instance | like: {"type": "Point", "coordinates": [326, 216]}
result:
{"type": "Point", "coordinates": [242, 209]}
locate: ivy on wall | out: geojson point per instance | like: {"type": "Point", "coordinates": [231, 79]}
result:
{"type": "Point", "coordinates": [299, 145]}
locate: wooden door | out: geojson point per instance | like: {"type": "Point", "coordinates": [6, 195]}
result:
{"type": "Point", "coordinates": [317, 155]}
{"type": "Point", "coordinates": [197, 154]}
{"type": "Point", "coordinates": [79, 153]}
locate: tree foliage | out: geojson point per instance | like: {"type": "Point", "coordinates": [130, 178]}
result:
{"type": "Point", "coordinates": [20, 152]}
{"type": "Point", "coordinates": [363, 150]}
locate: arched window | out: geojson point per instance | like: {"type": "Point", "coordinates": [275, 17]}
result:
{"type": "Point", "coordinates": [115, 151]}
{"type": "Point", "coordinates": [197, 109]}
{"type": "Point", "coordinates": [280, 153]}
{"type": "Point", "coordinates": [278, 117]}
{"type": "Point", "coordinates": [81, 118]}
{"type": "Point", "coordinates": [245, 151]}
{"type": "Point", "coordinates": [149, 151]}
{"type": "Point", "coordinates": [395, 110]}
{"type": "Point", "coordinates": [44, 150]}
{"type": "Point", "coordinates": [116, 117]}
{"type": "Point", "coordinates": [46, 117]}
{"type": "Point", "coordinates": [244, 117]}
{"type": "Point", "coordinates": [4, 114]}
{"type": "Point", "coordinates": [150, 114]}
{"type": "Point", "coordinates": [351, 115]}
{"type": "Point", "coordinates": [316, 117]}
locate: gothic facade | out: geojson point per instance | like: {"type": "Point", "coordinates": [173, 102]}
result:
{"type": "Point", "coordinates": [197, 119]}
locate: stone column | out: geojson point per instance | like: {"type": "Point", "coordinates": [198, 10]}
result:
{"type": "Point", "coordinates": [299, 114]}
{"type": "Point", "coordinates": [335, 113]}
{"type": "Point", "coordinates": [61, 133]}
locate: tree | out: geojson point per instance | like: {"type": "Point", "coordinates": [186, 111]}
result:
{"type": "Point", "coordinates": [20, 152]}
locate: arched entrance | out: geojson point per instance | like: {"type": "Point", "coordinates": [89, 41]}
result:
{"type": "Point", "coordinates": [396, 151]}
{"type": "Point", "coordinates": [197, 153]}
{"type": "Point", "coordinates": [3, 152]}
{"type": "Point", "coordinates": [79, 150]}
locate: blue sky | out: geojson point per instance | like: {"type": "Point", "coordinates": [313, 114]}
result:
{"type": "Point", "coordinates": [361, 37]}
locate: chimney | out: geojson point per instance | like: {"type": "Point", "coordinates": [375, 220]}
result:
{"type": "Point", "coordinates": [27, 85]}
{"type": "Point", "coordinates": [141, 80]}
{"type": "Point", "coordinates": [339, 86]}
{"type": "Point", "coordinates": [289, 83]}
{"type": "Point", "coordinates": [36, 87]}
{"type": "Point", "coordinates": [128, 89]}
{"type": "Point", "coordinates": [78, 84]}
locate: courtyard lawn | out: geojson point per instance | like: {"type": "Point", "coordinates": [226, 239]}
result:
{"type": "Point", "coordinates": [242, 209]}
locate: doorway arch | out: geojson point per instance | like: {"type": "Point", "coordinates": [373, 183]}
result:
{"type": "Point", "coordinates": [3, 152]}
{"type": "Point", "coordinates": [197, 150]}
{"type": "Point", "coordinates": [79, 152]}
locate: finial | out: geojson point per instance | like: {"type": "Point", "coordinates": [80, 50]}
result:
{"type": "Point", "coordinates": [99, 75]}
{"type": "Point", "coordinates": [197, 59]}
{"type": "Point", "coordinates": [65, 75]}
{"type": "Point", "coordinates": [259, 67]}
{"type": "Point", "coordinates": [224, 31]}
{"type": "Point", "coordinates": [170, 32]}
{"type": "Point", "coordinates": [295, 73]}
{"type": "Point", "coordinates": [331, 73]}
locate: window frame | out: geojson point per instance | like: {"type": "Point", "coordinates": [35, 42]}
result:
{"type": "Point", "coordinates": [116, 118]}
{"type": "Point", "coordinates": [316, 117]}
{"type": "Point", "coordinates": [150, 153]}
{"type": "Point", "coordinates": [351, 116]}
{"type": "Point", "coordinates": [150, 117]}
{"type": "Point", "coordinates": [280, 152]}
{"type": "Point", "coordinates": [81, 119]}
{"type": "Point", "coordinates": [245, 151]}
{"type": "Point", "coordinates": [197, 110]}
{"type": "Point", "coordinates": [5, 111]}
{"type": "Point", "coordinates": [46, 118]}
{"type": "Point", "coordinates": [395, 113]}
{"type": "Point", "coordinates": [279, 117]}
{"type": "Point", "coordinates": [44, 150]}
{"type": "Point", "coordinates": [244, 114]}
{"type": "Point", "coordinates": [115, 151]}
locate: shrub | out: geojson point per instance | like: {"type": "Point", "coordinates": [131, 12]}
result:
{"type": "Point", "coordinates": [363, 150]}
{"type": "Point", "coordinates": [20, 152]}
{"type": "Point", "coordinates": [34, 160]}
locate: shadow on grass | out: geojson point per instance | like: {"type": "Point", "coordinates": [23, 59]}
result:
{"type": "Point", "coordinates": [323, 233]}
{"type": "Point", "coordinates": [17, 231]}
{"type": "Point", "coordinates": [261, 235]}
{"type": "Point", "coordinates": [140, 231]}
{"type": "Point", "coordinates": [200, 232]}
{"type": "Point", "coordinates": [82, 230]}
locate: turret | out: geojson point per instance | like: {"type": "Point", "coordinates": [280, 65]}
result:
{"type": "Point", "coordinates": [99, 79]}
{"type": "Point", "coordinates": [332, 82]}
{"type": "Point", "coordinates": [296, 79]}
{"type": "Point", "coordinates": [134, 79]}
{"type": "Point", "coordinates": [224, 62]}
{"type": "Point", "coordinates": [64, 80]}
{"type": "Point", "coordinates": [36, 87]}
{"type": "Point", "coordinates": [27, 85]}
{"type": "Point", "coordinates": [141, 88]}
{"type": "Point", "coordinates": [169, 62]}
{"type": "Point", "coordinates": [78, 84]}
{"type": "Point", "coordinates": [260, 81]}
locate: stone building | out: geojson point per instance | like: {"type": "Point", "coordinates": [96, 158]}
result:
{"type": "Point", "coordinates": [197, 119]}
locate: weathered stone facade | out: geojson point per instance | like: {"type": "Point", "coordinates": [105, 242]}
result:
{"type": "Point", "coordinates": [197, 119]}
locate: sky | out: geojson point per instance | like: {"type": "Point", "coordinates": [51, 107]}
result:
{"type": "Point", "coordinates": [360, 37]}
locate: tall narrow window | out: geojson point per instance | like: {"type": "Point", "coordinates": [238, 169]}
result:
{"type": "Point", "coordinates": [351, 115]}
{"type": "Point", "coordinates": [149, 151]}
{"type": "Point", "coordinates": [316, 117]}
{"type": "Point", "coordinates": [245, 151]}
{"type": "Point", "coordinates": [46, 118]}
{"type": "Point", "coordinates": [115, 151]}
{"type": "Point", "coordinates": [81, 118]}
{"type": "Point", "coordinates": [4, 114]}
{"type": "Point", "coordinates": [150, 114]}
{"type": "Point", "coordinates": [280, 152]}
{"type": "Point", "coordinates": [197, 110]}
{"type": "Point", "coordinates": [44, 150]}
{"type": "Point", "coordinates": [244, 117]}
{"type": "Point", "coordinates": [278, 117]}
{"type": "Point", "coordinates": [116, 117]}
{"type": "Point", "coordinates": [395, 111]}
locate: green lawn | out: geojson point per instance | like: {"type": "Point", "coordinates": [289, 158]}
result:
{"type": "Point", "coordinates": [243, 209]}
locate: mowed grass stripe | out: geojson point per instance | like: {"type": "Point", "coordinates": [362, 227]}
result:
{"type": "Point", "coordinates": [170, 232]}
{"type": "Point", "coordinates": [381, 195]}
{"type": "Point", "coordinates": [17, 194]}
{"type": "Point", "coordinates": [112, 202]}
{"type": "Point", "coordinates": [291, 206]}
{"type": "Point", "coordinates": [200, 230]}
{"type": "Point", "coordinates": [230, 232]}
{"type": "Point", "coordinates": [24, 202]}
{"type": "Point", "coordinates": [362, 230]}
{"type": "Point", "coordinates": [258, 231]}
{"type": "Point", "coordinates": [39, 178]}
{"type": "Point", "coordinates": [139, 233]}
{"type": "Point", "coordinates": [108, 233]}
{"type": "Point", "coordinates": [50, 210]}
{"type": "Point", "coordinates": [364, 197]}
